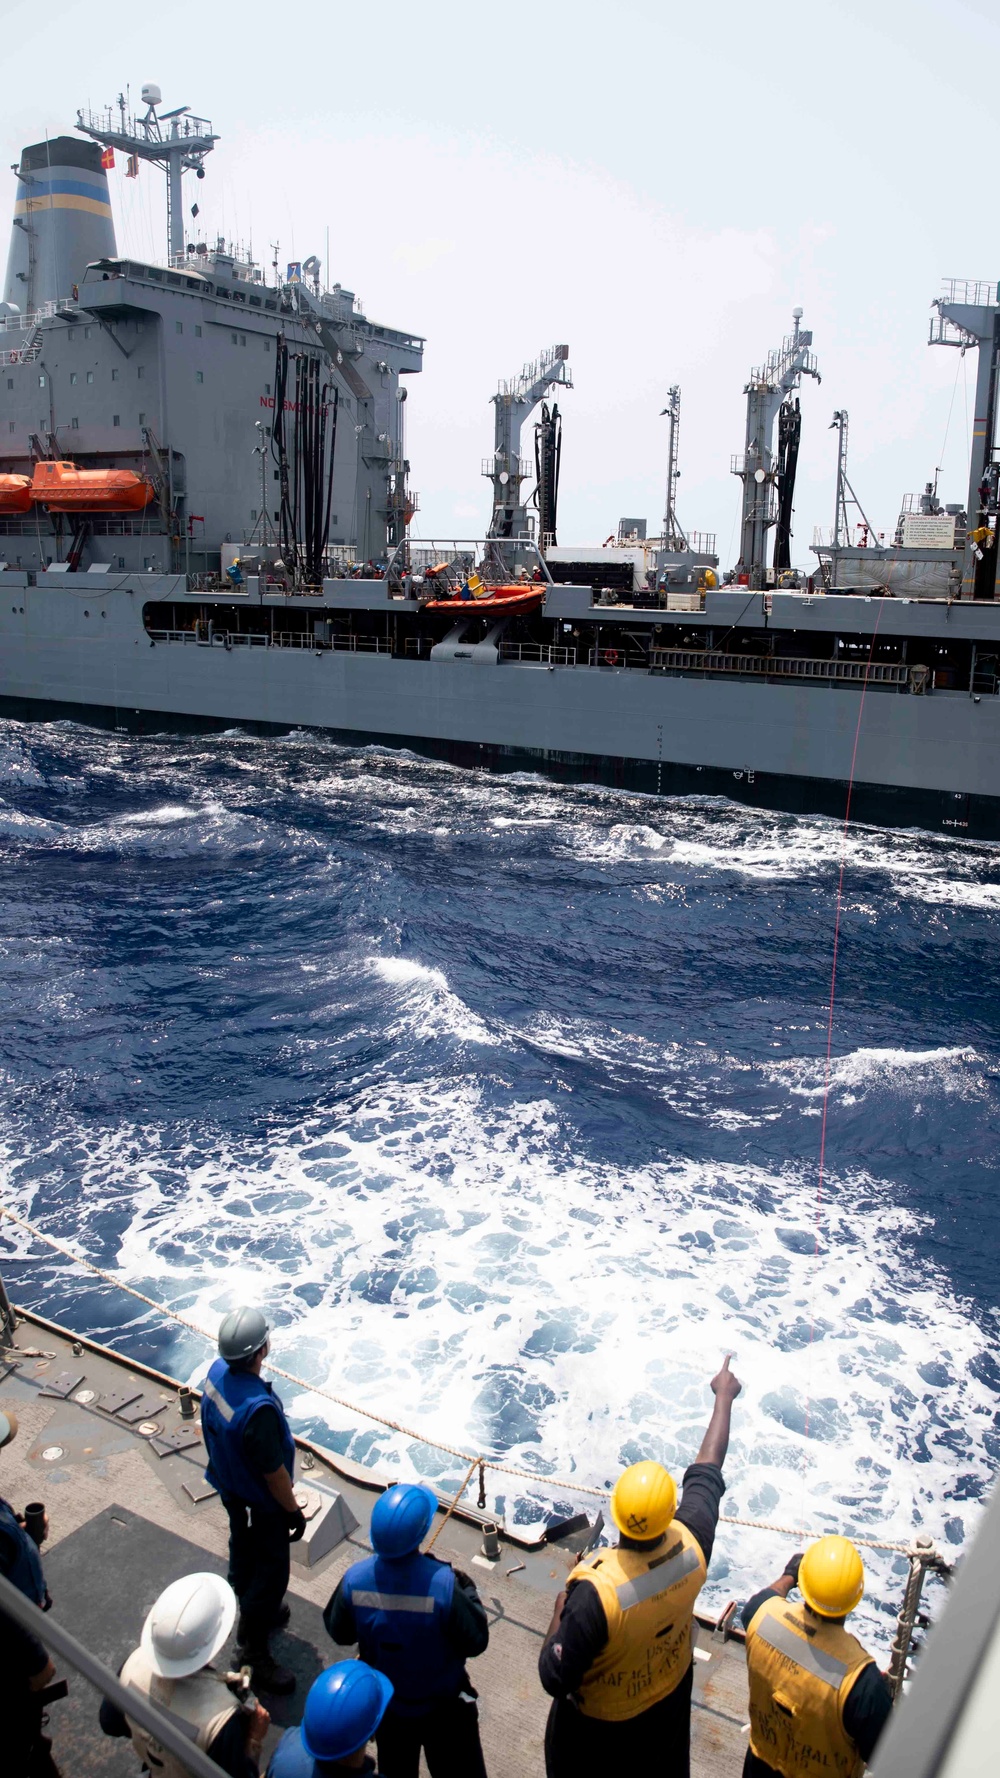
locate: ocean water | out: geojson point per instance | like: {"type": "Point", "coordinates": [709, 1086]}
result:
{"type": "Point", "coordinates": [504, 1097]}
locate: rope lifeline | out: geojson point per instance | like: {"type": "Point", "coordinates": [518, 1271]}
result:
{"type": "Point", "coordinates": [553, 1484]}
{"type": "Point", "coordinates": [833, 994]}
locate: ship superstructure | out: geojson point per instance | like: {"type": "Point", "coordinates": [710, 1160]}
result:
{"type": "Point", "coordinates": [947, 550]}
{"type": "Point", "coordinates": [174, 371]}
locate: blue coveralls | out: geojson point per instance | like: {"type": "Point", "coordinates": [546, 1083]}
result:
{"type": "Point", "coordinates": [258, 1528]}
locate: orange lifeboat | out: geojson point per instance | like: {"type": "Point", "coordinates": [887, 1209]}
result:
{"type": "Point", "coordinates": [15, 493]}
{"type": "Point", "coordinates": [520, 596]}
{"type": "Point", "coordinates": [62, 487]}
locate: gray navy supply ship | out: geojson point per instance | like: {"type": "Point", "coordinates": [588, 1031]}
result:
{"type": "Point", "coordinates": [205, 516]}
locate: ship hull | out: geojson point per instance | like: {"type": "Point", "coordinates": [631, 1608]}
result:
{"type": "Point", "coordinates": [932, 761]}
{"type": "Point", "coordinates": [973, 816]}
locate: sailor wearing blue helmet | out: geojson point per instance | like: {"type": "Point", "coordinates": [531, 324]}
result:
{"type": "Point", "coordinates": [343, 1710]}
{"type": "Point", "coordinates": [417, 1620]}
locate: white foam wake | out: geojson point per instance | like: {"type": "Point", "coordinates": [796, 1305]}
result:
{"type": "Point", "coordinates": [457, 1268]}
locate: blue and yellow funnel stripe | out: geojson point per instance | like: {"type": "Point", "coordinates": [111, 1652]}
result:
{"type": "Point", "coordinates": [63, 194]}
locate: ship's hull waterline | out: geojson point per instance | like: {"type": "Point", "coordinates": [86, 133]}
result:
{"type": "Point", "coordinates": [931, 761]}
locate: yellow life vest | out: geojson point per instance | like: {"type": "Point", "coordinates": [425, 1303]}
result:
{"type": "Point", "coordinates": [200, 1705]}
{"type": "Point", "coordinates": [801, 1673]}
{"type": "Point", "coordinates": [648, 1602]}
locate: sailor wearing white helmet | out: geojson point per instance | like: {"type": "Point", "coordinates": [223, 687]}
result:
{"type": "Point", "coordinates": [188, 1626]}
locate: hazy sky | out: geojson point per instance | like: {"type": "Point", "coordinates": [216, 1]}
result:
{"type": "Point", "coordinates": [658, 185]}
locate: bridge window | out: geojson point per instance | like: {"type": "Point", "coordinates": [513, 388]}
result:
{"type": "Point", "coordinates": [90, 376]}
{"type": "Point", "coordinates": [73, 377]}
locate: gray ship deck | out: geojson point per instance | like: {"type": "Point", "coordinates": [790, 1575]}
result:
{"type": "Point", "coordinates": [123, 1526]}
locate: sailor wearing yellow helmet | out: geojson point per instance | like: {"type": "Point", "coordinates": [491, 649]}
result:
{"type": "Point", "coordinates": [817, 1700]}
{"type": "Point", "coordinates": [617, 1655]}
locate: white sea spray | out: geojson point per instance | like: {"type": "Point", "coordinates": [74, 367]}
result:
{"type": "Point", "coordinates": [440, 1191]}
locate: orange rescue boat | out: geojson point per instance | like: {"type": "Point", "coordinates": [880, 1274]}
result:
{"type": "Point", "coordinates": [517, 597]}
{"type": "Point", "coordinates": [62, 487]}
{"type": "Point", "coordinates": [15, 493]}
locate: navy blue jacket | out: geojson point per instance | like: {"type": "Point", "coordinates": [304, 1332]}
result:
{"type": "Point", "coordinates": [229, 1401]}
{"type": "Point", "coordinates": [400, 1610]}
{"type": "Point", "coordinates": [24, 1570]}
{"type": "Point", "coordinates": [290, 1760]}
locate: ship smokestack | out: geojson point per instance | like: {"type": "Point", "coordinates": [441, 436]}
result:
{"type": "Point", "coordinates": [62, 221]}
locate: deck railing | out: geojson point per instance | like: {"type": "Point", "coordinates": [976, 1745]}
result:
{"type": "Point", "coordinates": [362, 644]}
{"type": "Point", "coordinates": [658, 660]}
{"type": "Point", "coordinates": [544, 654]}
{"type": "Point", "coordinates": [201, 637]}
{"type": "Point", "coordinates": [769, 666]}
{"type": "Point", "coordinates": [617, 657]}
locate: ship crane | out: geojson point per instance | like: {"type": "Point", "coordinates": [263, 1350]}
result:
{"type": "Point", "coordinates": [173, 140]}
{"type": "Point", "coordinates": [506, 469]}
{"type": "Point", "coordinates": [769, 481]}
{"type": "Point", "coordinates": [968, 315]}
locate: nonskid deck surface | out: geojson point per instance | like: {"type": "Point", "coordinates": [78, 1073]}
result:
{"type": "Point", "coordinates": [123, 1526]}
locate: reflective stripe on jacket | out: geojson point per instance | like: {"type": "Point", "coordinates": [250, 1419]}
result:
{"type": "Point", "coordinates": [801, 1672]}
{"type": "Point", "coordinates": [26, 1571]}
{"type": "Point", "coordinates": [200, 1705]}
{"type": "Point", "coordinates": [648, 1603]}
{"type": "Point", "coordinates": [401, 1609]}
{"type": "Point", "coordinates": [229, 1401]}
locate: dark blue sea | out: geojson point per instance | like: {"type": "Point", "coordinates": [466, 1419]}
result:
{"type": "Point", "coordinates": [503, 1097]}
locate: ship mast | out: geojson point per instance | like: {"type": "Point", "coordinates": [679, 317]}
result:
{"type": "Point", "coordinates": [173, 140]}
{"type": "Point", "coordinates": [841, 529]}
{"type": "Point", "coordinates": [673, 536]}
